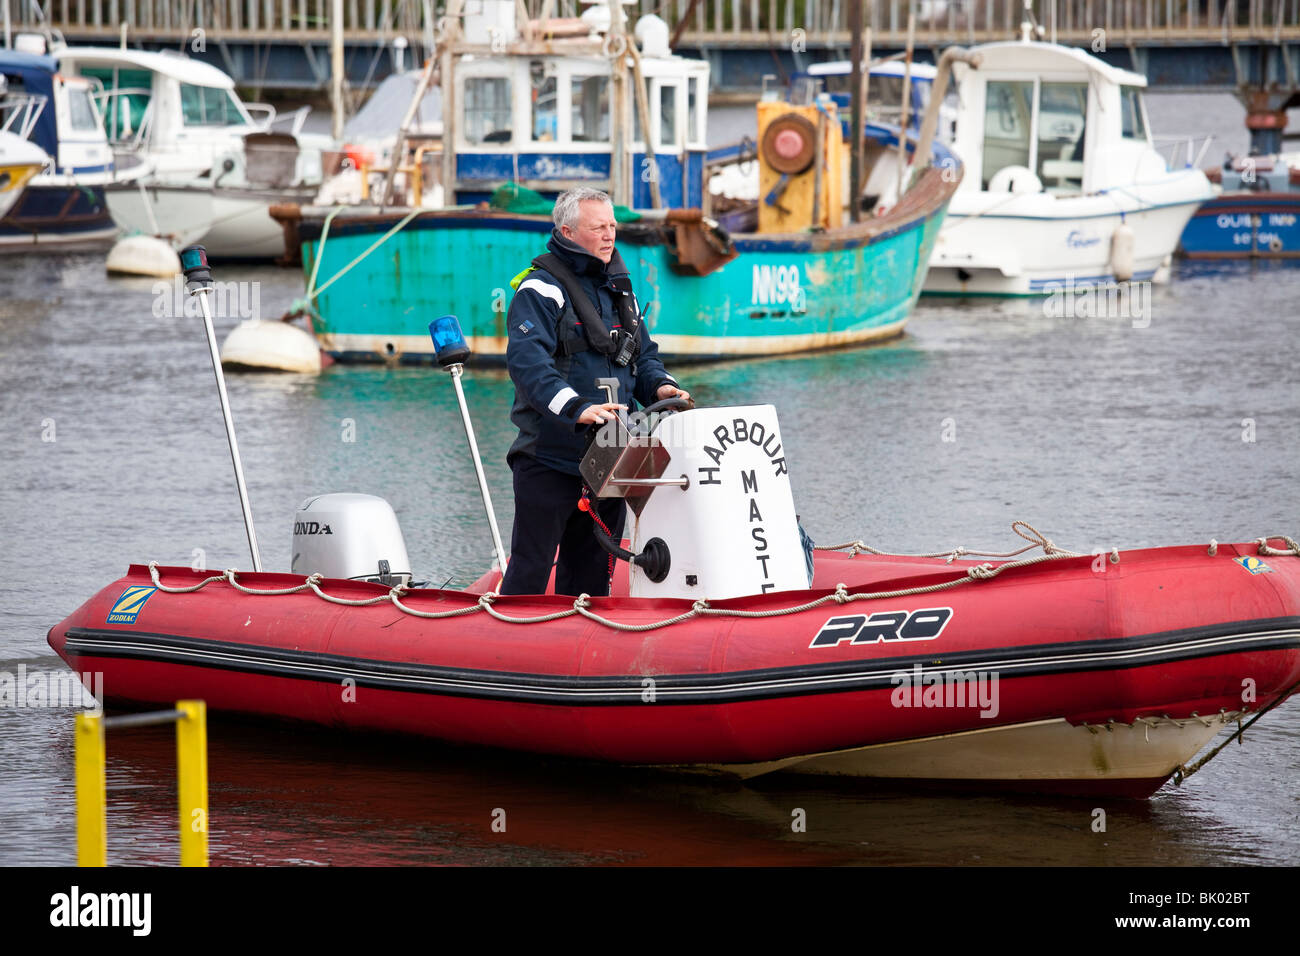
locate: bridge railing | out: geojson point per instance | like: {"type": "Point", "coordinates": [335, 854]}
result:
{"type": "Point", "coordinates": [752, 23]}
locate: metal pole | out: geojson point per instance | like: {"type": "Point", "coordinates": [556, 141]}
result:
{"type": "Point", "coordinates": [192, 780]}
{"type": "Point", "coordinates": [336, 68]}
{"type": "Point", "coordinates": [230, 427]}
{"type": "Point", "coordinates": [456, 371]}
{"type": "Point", "coordinates": [195, 263]}
{"type": "Point", "coordinates": [857, 106]}
{"type": "Point", "coordinates": [92, 819]}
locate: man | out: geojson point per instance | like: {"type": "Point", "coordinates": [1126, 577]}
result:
{"type": "Point", "coordinates": [573, 320]}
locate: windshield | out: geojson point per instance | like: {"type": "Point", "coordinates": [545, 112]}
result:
{"type": "Point", "coordinates": [209, 106]}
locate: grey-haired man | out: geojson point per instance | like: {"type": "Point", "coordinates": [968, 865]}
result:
{"type": "Point", "coordinates": [574, 319]}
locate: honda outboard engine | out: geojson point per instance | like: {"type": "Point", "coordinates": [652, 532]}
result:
{"type": "Point", "coordinates": [350, 536]}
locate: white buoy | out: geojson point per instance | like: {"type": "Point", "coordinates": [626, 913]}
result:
{"type": "Point", "coordinates": [143, 256]}
{"type": "Point", "coordinates": [270, 347]}
{"type": "Point", "coordinates": [1121, 252]}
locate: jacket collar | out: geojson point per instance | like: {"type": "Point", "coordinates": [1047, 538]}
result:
{"type": "Point", "coordinates": [583, 262]}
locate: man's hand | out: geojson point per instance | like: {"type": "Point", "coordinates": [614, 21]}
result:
{"type": "Point", "coordinates": [672, 391]}
{"type": "Point", "coordinates": [599, 414]}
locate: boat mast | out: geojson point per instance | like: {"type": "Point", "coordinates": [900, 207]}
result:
{"type": "Point", "coordinates": [336, 68]}
{"type": "Point", "coordinates": [618, 172]}
{"type": "Point", "coordinates": [445, 55]}
{"type": "Point", "coordinates": [857, 76]}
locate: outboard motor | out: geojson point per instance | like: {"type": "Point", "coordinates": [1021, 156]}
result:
{"type": "Point", "coordinates": [350, 536]}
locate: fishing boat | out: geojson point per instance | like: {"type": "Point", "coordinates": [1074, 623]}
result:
{"type": "Point", "coordinates": [215, 164]}
{"type": "Point", "coordinates": [1256, 212]}
{"type": "Point", "coordinates": [63, 205]}
{"type": "Point", "coordinates": [1064, 187]}
{"type": "Point", "coordinates": [794, 271]}
{"type": "Point", "coordinates": [1256, 216]}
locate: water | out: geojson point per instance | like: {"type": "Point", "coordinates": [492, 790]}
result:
{"type": "Point", "coordinates": [1099, 433]}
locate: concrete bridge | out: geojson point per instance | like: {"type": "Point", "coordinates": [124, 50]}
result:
{"type": "Point", "coordinates": [270, 45]}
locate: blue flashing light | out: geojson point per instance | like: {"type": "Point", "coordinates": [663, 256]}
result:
{"type": "Point", "coordinates": [448, 341]}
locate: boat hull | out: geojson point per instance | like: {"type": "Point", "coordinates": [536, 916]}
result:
{"type": "Point", "coordinates": [68, 216]}
{"type": "Point", "coordinates": [1245, 225]}
{"type": "Point", "coordinates": [1008, 254]}
{"type": "Point", "coordinates": [1074, 677]}
{"type": "Point", "coordinates": [230, 223]}
{"type": "Point", "coordinates": [781, 294]}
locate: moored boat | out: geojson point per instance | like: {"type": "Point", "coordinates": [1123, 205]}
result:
{"type": "Point", "coordinates": [792, 272]}
{"type": "Point", "coordinates": [214, 164]}
{"type": "Point", "coordinates": [1064, 186]}
{"type": "Point", "coordinates": [63, 205]}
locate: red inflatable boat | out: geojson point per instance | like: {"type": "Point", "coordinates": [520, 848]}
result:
{"type": "Point", "coordinates": [1081, 674]}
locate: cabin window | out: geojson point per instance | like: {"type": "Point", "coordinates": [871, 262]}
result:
{"type": "Point", "coordinates": [1132, 121]}
{"type": "Point", "coordinates": [668, 115]}
{"type": "Point", "coordinates": [487, 109]}
{"type": "Point", "coordinates": [1062, 111]}
{"type": "Point", "coordinates": [209, 106]}
{"type": "Point", "coordinates": [693, 110]}
{"type": "Point", "coordinates": [81, 111]}
{"type": "Point", "coordinates": [126, 97]}
{"type": "Point", "coordinates": [590, 105]}
{"type": "Point", "coordinates": [545, 110]}
{"type": "Point", "coordinates": [1008, 119]}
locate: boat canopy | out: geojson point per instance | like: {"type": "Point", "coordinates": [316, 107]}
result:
{"type": "Point", "coordinates": [33, 74]}
{"type": "Point", "coordinates": [1044, 58]}
{"type": "Point", "coordinates": [173, 65]}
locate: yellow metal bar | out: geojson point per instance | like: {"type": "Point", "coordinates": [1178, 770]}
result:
{"type": "Point", "coordinates": [192, 778]}
{"type": "Point", "coordinates": [92, 823]}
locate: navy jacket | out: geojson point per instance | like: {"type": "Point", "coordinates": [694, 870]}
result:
{"type": "Point", "coordinates": [553, 389]}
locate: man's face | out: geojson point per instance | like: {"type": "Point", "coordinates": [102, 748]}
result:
{"type": "Point", "coordinates": [595, 229]}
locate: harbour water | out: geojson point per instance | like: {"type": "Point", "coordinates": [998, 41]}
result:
{"type": "Point", "coordinates": [1173, 427]}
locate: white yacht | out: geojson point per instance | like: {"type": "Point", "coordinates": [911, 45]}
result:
{"type": "Point", "coordinates": [1063, 185]}
{"type": "Point", "coordinates": [217, 167]}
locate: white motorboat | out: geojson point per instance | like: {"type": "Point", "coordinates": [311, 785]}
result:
{"type": "Point", "coordinates": [20, 160]}
{"type": "Point", "coordinates": [217, 166]}
{"type": "Point", "coordinates": [1063, 186]}
{"type": "Point", "coordinates": [55, 161]}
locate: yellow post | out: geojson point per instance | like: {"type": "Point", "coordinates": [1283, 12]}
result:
{"type": "Point", "coordinates": [92, 823]}
{"type": "Point", "coordinates": [192, 777]}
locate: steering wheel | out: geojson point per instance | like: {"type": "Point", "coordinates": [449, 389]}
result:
{"type": "Point", "coordinates": [674, 403]}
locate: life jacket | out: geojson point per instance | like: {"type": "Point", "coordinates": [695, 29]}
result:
{"type": "Point", "coordinates": [621, 343]}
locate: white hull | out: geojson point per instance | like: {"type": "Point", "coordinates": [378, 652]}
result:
{"type": "Point", "coordinates": [1019, 249]}
{"type": "Point", "coordinates": [230, 223]}
{"type": "Point", "coordinates": [1043, 751]}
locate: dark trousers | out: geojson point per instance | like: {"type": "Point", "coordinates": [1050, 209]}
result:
{"type": "Point", "coordinates": [547, 517]}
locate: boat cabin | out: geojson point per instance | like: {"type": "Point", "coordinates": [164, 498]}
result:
{"type": "Point", "coordinates": [182, 115]}
{"type": "Point", "coordinates": [55, 112]}
{"type": "Point", "coordinates": [1036, 117]}
{"type": "Point", "coordinates": [541, 114]}
{"type": "Point", "coordinates": [884, 89]}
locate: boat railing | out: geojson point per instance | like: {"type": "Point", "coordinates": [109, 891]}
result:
{"type": "Point", "coordinates": [296, 119]}
{"type": "Point", "coordinates": [1174, 145]}
{"type": "Point", "coordinates": [266, 109]}
{"type": "Point", "coordinates": [115, 108]}
{"type": "Point", "coordinates": [191, 720]}
{"type": "Point", "coordinates": [20, 111]}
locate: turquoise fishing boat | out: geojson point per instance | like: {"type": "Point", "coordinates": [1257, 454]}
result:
{"type": "Point", "coordinates": [783, 272]}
